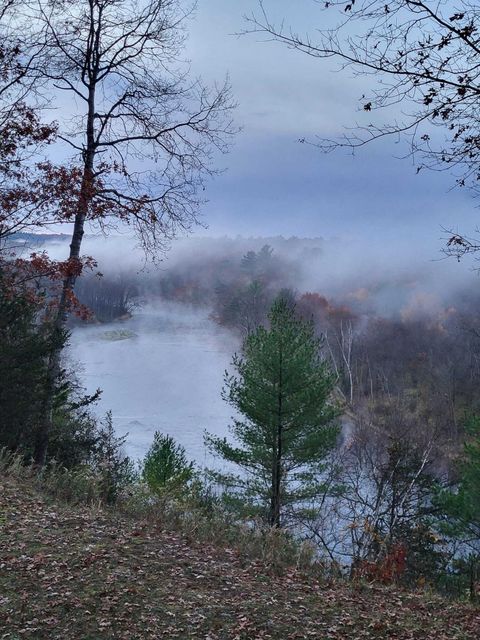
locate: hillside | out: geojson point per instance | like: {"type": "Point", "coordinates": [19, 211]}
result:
{"type": "Point", "coordinates": [80, 573]}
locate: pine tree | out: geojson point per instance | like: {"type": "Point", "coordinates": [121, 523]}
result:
{"type": "Point", "coordinates": [283, 391]}
{"type": "Point", "coordinates": [24, 345]}
{"type": "Point", "coordinates": [462, 504]}
{"type": "Point", "coordinates": [459, 511]}
{"type": "Point", "coordinates": [166, 464]}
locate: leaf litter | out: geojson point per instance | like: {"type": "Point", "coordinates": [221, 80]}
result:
{"type": "Point", "coordinates": [82, 573]}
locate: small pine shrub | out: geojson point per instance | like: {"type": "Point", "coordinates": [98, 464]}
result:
{"type": "Point", "coordinates": [166, 466]}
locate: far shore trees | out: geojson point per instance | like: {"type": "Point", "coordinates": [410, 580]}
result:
{"type": "Point", "coordinates": [282, 389]}
{"type": "Point", "coordinates": [143, 132]}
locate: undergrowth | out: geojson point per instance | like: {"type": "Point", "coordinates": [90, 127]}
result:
{"type": "Point", "coordinates": [195, 513]}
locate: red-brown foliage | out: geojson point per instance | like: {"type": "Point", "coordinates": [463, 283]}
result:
{"type": "Point", "coordinates": [388, 569]}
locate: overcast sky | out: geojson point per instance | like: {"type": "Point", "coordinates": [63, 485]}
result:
{"type": "Point", "coordinates": [275, 185]}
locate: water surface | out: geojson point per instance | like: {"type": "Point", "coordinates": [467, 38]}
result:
{"type": "Point", "coordinates": [161, 370]}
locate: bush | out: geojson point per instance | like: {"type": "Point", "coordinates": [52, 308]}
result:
{"type": "Point", "coordinates": [80, 485]}
{"type": "Point", "coordinates": [116, 471]}
{"type": "Point", "coordinates": [166, 465]}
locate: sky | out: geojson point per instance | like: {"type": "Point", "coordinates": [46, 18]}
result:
{"type": "Point", "coordinates": [273, 185]}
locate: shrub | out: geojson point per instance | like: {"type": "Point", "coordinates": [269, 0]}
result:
{"type": "Point", "coordinates": [166, 465]}
{"type": "Point", "coordinates": [75, 429]}
{"type": "Point", "coordinates": [115, 470]}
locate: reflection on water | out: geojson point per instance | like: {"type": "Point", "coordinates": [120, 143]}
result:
{"type": "Point", "coordinates": [161, 370]}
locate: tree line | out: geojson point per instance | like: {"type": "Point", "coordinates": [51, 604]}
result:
{"type": "Point", "coordinates": [377, 481]}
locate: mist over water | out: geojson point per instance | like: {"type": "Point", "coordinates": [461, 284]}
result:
{"type": "Point", "coordinates": [166, 376]}
{"type": "Point", "coordinates": [163, 368]}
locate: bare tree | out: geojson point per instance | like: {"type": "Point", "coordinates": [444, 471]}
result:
{"type": "Point", "coordinates": [108, 297]}
{"type": "Point", "coordinates": [143, 133]}
{"type": "Point", "coordinates": [339, 344]}
{"type": "Point", "coordinates": [422, 57]}
{"type": "Point", "coordinates": [387, 488]}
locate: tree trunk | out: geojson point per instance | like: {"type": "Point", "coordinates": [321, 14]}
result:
{"type": "Point", "coordinates": [277, 470]}
{"type": "Point", "coordinates": [61, 315]}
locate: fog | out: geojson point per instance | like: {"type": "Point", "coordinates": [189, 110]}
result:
{"type": "Point", "coordinates": [388, 273]}
{"type": "Point", "coordinates": [162, 369]}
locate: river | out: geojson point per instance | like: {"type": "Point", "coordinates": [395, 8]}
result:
{"type": "Point", "coordinates": [160, 370]}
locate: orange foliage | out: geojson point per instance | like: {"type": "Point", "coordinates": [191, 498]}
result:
{"type": "Point", "coordinates": [317, 307]}
{"type": "Point", "coordinates": [386, 570]}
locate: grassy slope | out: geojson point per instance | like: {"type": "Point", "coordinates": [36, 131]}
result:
{"type": "Point", "coordinates": [73, 573]}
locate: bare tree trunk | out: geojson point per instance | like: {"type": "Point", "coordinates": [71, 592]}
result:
{"type": "Point", "coordinates": [61, 316]}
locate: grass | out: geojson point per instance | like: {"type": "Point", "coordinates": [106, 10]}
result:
{"type": "Point", "coordinates": [77, 572]}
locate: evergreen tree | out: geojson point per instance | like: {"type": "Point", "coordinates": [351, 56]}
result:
{"type": "Point", "coordinates": [116, 470]}
{"type": "Point", "coordinates": [283, 391]}
{"type": "Point", "coordinates": [166, 464]}
{"type": "Point", "coordinates": [24, 345]}
{"type": "Point", "coordinates": [462, 505]}
{"type": "Point", "coordinates": [459, 511]}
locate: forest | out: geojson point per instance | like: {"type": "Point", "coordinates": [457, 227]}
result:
{"type": "Point", "coordinates": [388, 498]}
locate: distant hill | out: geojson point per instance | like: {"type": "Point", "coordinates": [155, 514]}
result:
{"type": "Point", "coordinates": [38, 239]}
